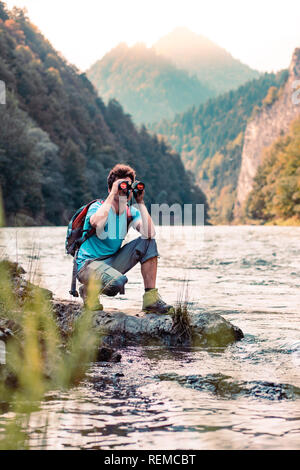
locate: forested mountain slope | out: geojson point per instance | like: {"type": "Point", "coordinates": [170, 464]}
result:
{"type": "Point", "coordinates": [149, 86]}
{"type": "Point", "coordinates": [58, 140]}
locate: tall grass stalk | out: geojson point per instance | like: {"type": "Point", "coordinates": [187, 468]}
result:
{"type": "Point", "coordinates": [181, 318]}
{"type": "Point", "coordinates": [38, 358]}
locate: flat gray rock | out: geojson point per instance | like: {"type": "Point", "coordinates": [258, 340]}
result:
{"type": "Point", "coordinates": [206, 329]}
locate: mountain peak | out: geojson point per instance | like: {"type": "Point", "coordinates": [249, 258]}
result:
{"type": "Point", "coordinates": [147, 84]}
{"type": "Point", "coordinates": [184, 32]}
{"type": "Point", "coordinates": [183, 39]}
{"type": "Point", "coordinates": [202, 57]}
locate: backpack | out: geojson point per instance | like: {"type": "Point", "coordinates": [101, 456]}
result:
{"type": "Point", "coordinates": [76, 236]}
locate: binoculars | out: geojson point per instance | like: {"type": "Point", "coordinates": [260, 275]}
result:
{"type": "Point", "coordinates": [136, 187]}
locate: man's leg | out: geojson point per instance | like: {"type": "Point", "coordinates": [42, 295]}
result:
{"type": "Point", "coordinates": [139, 250]}
{"type": "Point", "coordinates": [89, 291]}
{"type": "Point", "coordinates": [110, 281]}
{"type": "Point", "coordinates": [149, 273]}
{"type": "Point", "coordinates": [143, 251]}
{"type": "Point", "coordinates": [110, 271]}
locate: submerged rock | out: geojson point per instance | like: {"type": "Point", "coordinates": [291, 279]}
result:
{"type": "Point", "coordinates": [225, 387]}
{"type": "Point", "coordinates": [211, 329]}
{"type": "Point", "coordinates": [107, 354]}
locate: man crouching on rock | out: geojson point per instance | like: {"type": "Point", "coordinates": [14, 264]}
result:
{"type": "Point", "coordinates": [101, 256]}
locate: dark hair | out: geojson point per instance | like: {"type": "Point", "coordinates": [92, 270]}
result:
{"type": "Point", "coordinates": [118, 172]}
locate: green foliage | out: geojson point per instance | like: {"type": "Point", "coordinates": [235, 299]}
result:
{"type": "Point", "coordinates": [276, 192]}
{"type": "Point", "coordinates": [210, 139]}
{"type": "Point", "coordinates": [58, 140]}
{"type": "Point", "coordinates": [3, 12]}
{"type": "Point", "coordinates": [154, 87]}
{"type": "Point", "coordinates": [38, 358]}
{"type": "Point", "coordinates": [20, 164]}
{"type": "Point", "coordinates": [271, 96]}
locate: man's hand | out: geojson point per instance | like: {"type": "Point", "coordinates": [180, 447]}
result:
{"type": "Point", "coordinates": [115, 188]}
{"type": "Point", "coordinates": [146, 225]}
{"type": "Point", "coordinates": [98, 220]}
{"type": "Point", "coordinates": [139, 196]}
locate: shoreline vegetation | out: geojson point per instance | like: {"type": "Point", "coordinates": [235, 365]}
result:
{"type": "Point", "coordinates": [39, 356]}
{"type": "Point", "coordinates": [50, 343]}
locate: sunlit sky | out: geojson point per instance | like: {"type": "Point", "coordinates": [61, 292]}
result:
{"type": "Point", "coordinates": [261, 33]}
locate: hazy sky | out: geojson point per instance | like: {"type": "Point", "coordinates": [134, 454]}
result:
{"type": "Point", "coordinates": [261, 33]}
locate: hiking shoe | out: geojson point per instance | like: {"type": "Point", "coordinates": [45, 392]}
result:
{"type": "Point", "coordinates": [153, 303]}
{"type": "Point", "coordinates": [96, 306]}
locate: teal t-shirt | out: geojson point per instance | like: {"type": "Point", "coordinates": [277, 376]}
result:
{"type": "Point", "coordinates": [110, 240]}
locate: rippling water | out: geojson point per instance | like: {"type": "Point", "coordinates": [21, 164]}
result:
{"type": "Point", "coordinates": [246, 396]}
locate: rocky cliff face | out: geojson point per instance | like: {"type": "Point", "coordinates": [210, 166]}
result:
{"type": "Point", "coordinates": [267, 125]}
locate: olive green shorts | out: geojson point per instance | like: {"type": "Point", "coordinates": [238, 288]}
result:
{"type": "Point", "coordinates": [111, 271]}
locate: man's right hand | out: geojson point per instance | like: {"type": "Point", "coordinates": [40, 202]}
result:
{"type": "Point", "coordinates": [98, 220]}
{"type": "Point", "coordinates": [115, 188]}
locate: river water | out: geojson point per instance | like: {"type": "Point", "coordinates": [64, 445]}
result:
{"type": "Point", "coordinates": [246, 396]}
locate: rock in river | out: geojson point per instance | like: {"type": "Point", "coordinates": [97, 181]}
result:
{"type": "Point", "coordinates": [205, 329]}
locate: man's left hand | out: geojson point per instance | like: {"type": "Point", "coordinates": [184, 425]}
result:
{"type": "Point", "coordinates": [139, 197]}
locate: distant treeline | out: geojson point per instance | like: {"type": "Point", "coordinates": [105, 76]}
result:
{"type": "Point", "coordinates": [58, 140]}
